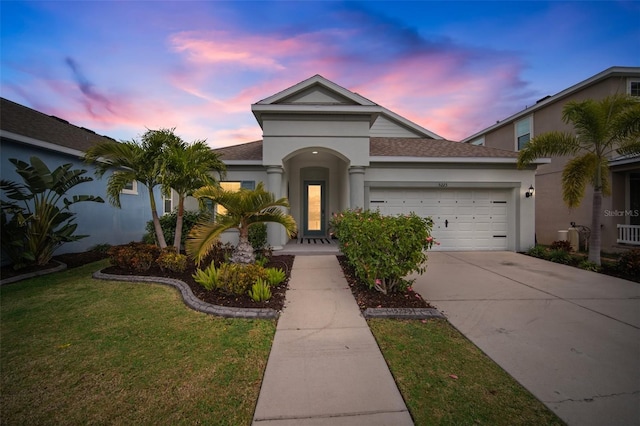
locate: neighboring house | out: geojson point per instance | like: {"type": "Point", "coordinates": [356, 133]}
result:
{"type": "Point", "coordinates": [621, 211]}
{"type": "Point", "coordinates": [328, 149]}
{"type": "Point", "coordinates": [25, 133]}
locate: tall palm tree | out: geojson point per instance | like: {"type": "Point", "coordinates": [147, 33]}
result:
{"type": "Point", "coordinates": [133, 160]}
{"type": "Point", "coordinates": [244, 208]}
{"type": "Point", "coordinates": [602, 129]}
{"type": "Point", "coordinates": [185, 169]}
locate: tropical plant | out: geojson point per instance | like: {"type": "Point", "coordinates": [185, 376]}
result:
{"type": "Point", "coordinates": [602, 129]}
{"type": "Point", "coordinates": [171, 260]}
{"type": "Point", "coordinates": [186, 168]}
{"type": "Point", "coordinates": [207, 278]}
{"type": "Point", "coordinates": [34, 224]}
{"type": "Point", "coordinates": [537, 251]}
{"type": "Point", "coordinates": [561, 245]}
{"type": "Point", "coordinates": [168, 224]}
{"type": "Point", "coordinates": [245, 208]}
{"type": "Point", "coordinates": [237, 278]}
{"type": "Point", "coordinates": [260, 291]}
{"type": "Point", "coordinates": [384, 249]}
{"type": "Point", "coordinates": [275, 276]}
{"type": "Point", "coordinates": [140, 161]}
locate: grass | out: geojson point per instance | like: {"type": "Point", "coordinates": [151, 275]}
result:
{"type": "Point", "coordinates": [423, 356]}
{"type": "Point", "coordinates": [76, 351]}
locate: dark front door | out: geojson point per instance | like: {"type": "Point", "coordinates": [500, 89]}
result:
{"type": "Point", "coordinates": [314, 208]}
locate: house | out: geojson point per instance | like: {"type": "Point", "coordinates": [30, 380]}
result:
{"type": "Point", "coordinates": [329, 149]}
{"type": "Point", "coordinates": [620, 211]}
{"type": "Point", "coordinates": [25, 132]}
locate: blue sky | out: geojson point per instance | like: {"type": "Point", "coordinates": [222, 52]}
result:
{"type": "Point", "coordinates": [119, 67]}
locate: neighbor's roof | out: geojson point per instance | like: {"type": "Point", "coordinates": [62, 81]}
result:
{"type": "Point", "coordinates": [27, 125]}
{"type": "Point", "coordinates": [404, 148]}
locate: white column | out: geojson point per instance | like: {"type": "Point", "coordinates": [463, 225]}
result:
{"type": "Point", "coordinates": [356, 187]}
{"type": "Point", "coordinates": [275, 235]}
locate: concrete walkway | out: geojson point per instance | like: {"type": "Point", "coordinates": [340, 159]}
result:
{"type": "Point", "coordinates": [325, 367]}
{"type": "Point", "coordinates": [570, 336]}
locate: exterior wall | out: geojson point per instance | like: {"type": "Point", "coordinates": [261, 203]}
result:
{"type": "Point", "coordinates": [102, 222]}
{"type": "Point", "coordinates": [522, 209]}
{"type": "Point", "coordinates": [551, 212]}
{"type": "Point", "coordinates": [383, 127]}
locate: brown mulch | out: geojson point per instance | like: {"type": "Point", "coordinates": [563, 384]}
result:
{"type": "Point", "coordinates": [367, 298]}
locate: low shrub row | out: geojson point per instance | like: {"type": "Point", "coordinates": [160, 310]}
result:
{"type": "Point", "coordinates": [239, 279]}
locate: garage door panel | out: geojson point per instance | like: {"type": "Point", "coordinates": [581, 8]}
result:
{"type": "Point", "coordinates": [476, 219]}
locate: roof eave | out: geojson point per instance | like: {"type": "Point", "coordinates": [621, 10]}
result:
{"type": "Point", "coordinates": [40, 144]}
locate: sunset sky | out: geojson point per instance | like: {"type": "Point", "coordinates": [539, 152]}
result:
{"type": "Point", "coordinates": [119, 67]}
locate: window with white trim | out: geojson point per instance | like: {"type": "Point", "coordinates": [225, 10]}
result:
{"type": "Point", "coordinates": [523, 132]}
{"type": "Point", "coordinates": [478, 141]}
{"type": "Point", "coordinates": [167, 205]}
{"type": "Point", "coordinates": [634, 87]}
{"type": "Point", "coordinates": [131, 188]}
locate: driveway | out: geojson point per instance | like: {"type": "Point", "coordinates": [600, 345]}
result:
{"type": "Point", "coordinates": [571, 337]}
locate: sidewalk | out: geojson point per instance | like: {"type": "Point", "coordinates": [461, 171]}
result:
{"type": "Point", "coordinates": [325, 367]}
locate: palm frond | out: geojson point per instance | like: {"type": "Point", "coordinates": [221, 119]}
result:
{"type": "Point", "coordinates": [202, 237]}
{"type": "Point", "coordinates": [547, 145]}
{"type": "Point", "coordinates": [575, 176]}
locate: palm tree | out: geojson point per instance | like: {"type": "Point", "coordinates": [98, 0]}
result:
{"type": "Point", "coordinates": [602, 129]}
{"type": "Point", "coordinates": [134, 161]}
{"type": "Point", "coordinates": [245, 207]}
{"type": "Point", "coordinates": [185, 169]}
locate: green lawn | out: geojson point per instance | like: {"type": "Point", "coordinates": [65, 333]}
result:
{"type": "Point", "coordinates": [423, 357]}
{"type": "Point", "coordinates": [76, 350]}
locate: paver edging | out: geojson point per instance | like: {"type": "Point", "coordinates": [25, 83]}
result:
{"type": "Point", "coordinates": [403, 313]}
{"type": "Point", "coordinates": [61, 267]}
{"type": "Point", "coordinates": [191, 300]}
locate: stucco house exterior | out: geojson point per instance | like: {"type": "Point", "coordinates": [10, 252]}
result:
{"type": "Point", "coordinates": [25, 132]}
{"type": "Point", "coordinates": [620, 211]}
{"type": "Point", "coordinates": [329, 149]}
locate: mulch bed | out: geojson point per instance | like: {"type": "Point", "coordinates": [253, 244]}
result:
{"type": "Point", "coordinates": [367, 298]}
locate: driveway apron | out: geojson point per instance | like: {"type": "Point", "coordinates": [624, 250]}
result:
{"type": "Point", "coordinates": [325, 367]}
{"type": "Point", "coordinates": [571, 337]}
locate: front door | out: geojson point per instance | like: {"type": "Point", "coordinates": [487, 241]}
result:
{"type": "Point", "coordinates": [314, 207]}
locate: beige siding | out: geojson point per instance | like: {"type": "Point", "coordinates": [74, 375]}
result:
{"type": "Point", "coordinates": [383, 127]}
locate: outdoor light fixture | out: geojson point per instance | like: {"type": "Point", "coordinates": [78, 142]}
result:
{"type": "Point", "coordinates": [314, 152]}
{"type": "Point", "coordinates": [529, 192]}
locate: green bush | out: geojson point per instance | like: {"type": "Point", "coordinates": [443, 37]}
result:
{"type": "Point", "coordinates": [537, 251]}
{"type": "Point", "coordinates": [560, 256]}
{"type": "Point", "coordinates": [169, 260]}
{"type": "Point", "coordinates": [561, 245]}
{"type": "Point", "coordinates": [383, 249]}
{"type": "Point", "coordinates": [258, 236]}
{"type": "Point", "coordinates": [275, 276]}
{"type": "Point", "coordinates": [588, 266]}
{"type": "Point", "coordinates": [134, 256]}
{"type": "Point", "coordinates": [260, 291]}
{"type": "Point", "coordinates": [207, 278]}
{"type": "Point", "coordinates": [237, 278]}
{"type": "Point", "coordinates": [629, 263]}
{"type": "Point", "coordinates": [168, 224]}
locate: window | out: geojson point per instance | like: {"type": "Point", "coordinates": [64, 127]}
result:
{"type": "Point", "coordinates": [130, 188]}
{"type": "Point", "coordinates": [523, 132]}
{"type": "Point", "coordinates": [634, 87]}
{"type": "Point", "coordinates": [478, 141]}
{"type": "Point", "coordinates": [167, 205]}
{"type": "Point", "coordinates": [234, 186]}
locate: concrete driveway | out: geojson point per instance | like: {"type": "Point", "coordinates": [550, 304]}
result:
{"type": "Point", "coordinates": [571, 337]}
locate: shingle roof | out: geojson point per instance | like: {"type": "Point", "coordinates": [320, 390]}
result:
{"type": "Point", "coordinates": [388, 147]}
{"type": "Point", "coordinates": [414, 147]}
{"type": "Point", "coordinates": [19, 119]}
{"type": "Point", "coordinates": [245, 151]}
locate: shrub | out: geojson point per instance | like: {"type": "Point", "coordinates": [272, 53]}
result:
{"type": "Point", "coordinates": [260, 291]}
{"type": "Point", "coordinates": [169, 260]}
{"type": "Point", "coordinates": [258, 236]}
{"type": "Point", "coordinates": [237, 278]}
{"type": "Point", "coordinates": [168, 225]}
{"type": "Point", "coordinates": [207, 278]}
{"type": "Point", "coordinates": [219, 254]}
{"type": "Point", "coordinates": [560, 256]}
{"type": "Point", "coordinates": [537, 251]}
{"type": "Point", "coordinates": [101, 248]}
{"type": "Point", "coordinates": [275, 276]}
{"type": "Point", "coordinates": [133, 256]}
{"type": "Point", "coordinates": [383, 249]}
{"type": "Point", "coordinates": [561, 245]}
{"type": "Point", "coordinates": [629, 263]}
{"type": "Point", "coordinates": [588, 266]}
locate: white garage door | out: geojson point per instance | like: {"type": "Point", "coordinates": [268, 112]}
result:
{"type": "Point", "coordinates": [464, 219]}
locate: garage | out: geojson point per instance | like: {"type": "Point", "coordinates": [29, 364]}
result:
{"type": "Point", "coordinates": [464, 219]}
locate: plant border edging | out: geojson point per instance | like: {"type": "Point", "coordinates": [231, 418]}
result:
{"type": "Point", "coordinates": [61, 267]}
{"type": "Point", "coordinates": [191, 300]}
{"type": "Point", "coordinates": [403, 313]}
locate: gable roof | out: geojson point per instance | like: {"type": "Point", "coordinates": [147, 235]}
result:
{"type": "Point", "coordinates": [335, 99]}
{"type": "Point", "coordinates": [390, 149]}
{"type": "Point", "coordinates": [23, 124]}
{"type": "Point", "coordinates": [542, 103]}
